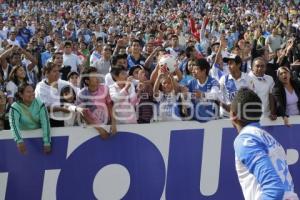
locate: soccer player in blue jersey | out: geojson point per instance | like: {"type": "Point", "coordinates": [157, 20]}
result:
{"type": "Point", "coordinates": [260, 160]}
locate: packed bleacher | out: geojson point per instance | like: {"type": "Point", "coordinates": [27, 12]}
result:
{"type": "Point", "coordinates": [73, 63]}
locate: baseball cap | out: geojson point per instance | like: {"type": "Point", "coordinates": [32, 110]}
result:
{"type": "Point", "coordinates": [234, 57]}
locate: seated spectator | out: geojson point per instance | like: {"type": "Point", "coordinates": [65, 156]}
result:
{"type": "Point", "coordinates": [94, 98]}
{"type": "Point", "coordinates": [123, 95]}
{"type": "Point", "coordinates": [48, 91]}
{"type": "Point", "coordinates": [287, 95]}
{"type": "Point", "coordinates": [263, 86]}
{"type": "Point", "coordinates": [206, 92]}
{"type": "Point", "coordinates": [231, 83]}
{"type": "Point", "coordinates": [17, 76]}
{"type": "Point", "coordinates": [29, 113]}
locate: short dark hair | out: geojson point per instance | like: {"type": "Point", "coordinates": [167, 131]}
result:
{"type": "Point", "coordinates": [136, 41]}
{"type": "Point", "coordinates": [203, 64]}
{"type": "Point", "coordinates": [247, 105]}
{"type": "Point", "coordinates": [189, 50]}
{"type": "Point", "coordinates": [174, 36]}
{"type": "Point", "coordinates": [115, 59]}
{"type": "Point", "coordinates": [56, 54]}
{"type": "Point", "coordinates": [115, 71]}
{"type": "Point", "coordinates": [67, 43]}
{"type": "Point", "coordinates": [85, 75]}
{"type": "Point", "coordinates": [49, 66]}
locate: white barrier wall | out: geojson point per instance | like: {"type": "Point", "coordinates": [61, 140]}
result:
{"type": "Point", "coordinates": [172, 160]}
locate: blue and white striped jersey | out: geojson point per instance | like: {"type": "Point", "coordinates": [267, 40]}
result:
{"type": "Point", "coordinates": [261, 166]}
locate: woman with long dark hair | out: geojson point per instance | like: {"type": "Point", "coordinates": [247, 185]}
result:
{"type": "Point", "coordinates": [287, 94]}
{"type": "Point", "coordinates": [16, 77]}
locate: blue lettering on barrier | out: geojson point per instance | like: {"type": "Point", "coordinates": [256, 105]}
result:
{"type": "Point", "coordinates": [142, 159]}
{"type": "Point", "coordinates": [140, 156]}
{"type": "Point", "coordinates": [26, 173]}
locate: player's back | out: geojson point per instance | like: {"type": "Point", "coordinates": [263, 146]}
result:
{"type": "Point", "coordinates": [261, 165]}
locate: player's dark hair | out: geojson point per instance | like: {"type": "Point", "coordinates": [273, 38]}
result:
{"type": "Point", "coordinates": [247, 105]}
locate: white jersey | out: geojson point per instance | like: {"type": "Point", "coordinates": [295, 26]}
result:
{"type": "Point", "coordinates": [261, 166]}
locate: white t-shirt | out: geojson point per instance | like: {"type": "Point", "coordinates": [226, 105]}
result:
{"type": "Point", "coordinates": [263, 87]}
{"type": "Point", "coordinates": [50, 96]}
{"type": "Point", "coordinates": [71, 60]}
{"type": "Point", "coordinates": [109, 80]}
{"type": "Point", "coordinates": [11, 89]}
{"type": "Point", "coordinates": [15, 42]}
{"type": "Point", "coordinates": [230, 86]}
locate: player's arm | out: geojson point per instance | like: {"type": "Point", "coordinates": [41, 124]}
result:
{"type": "Point", "coordinates": [254, 156]}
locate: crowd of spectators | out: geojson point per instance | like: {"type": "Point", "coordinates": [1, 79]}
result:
{"type": "Point", "coordinates": [97, 62]}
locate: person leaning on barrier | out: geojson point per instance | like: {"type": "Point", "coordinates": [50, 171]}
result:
{"type": "Point", "coordinates": [287, 94]}
{"type": "Point", "coordinates": [29, 113]}
{"type": "Point", "coordinates": [263, 85]}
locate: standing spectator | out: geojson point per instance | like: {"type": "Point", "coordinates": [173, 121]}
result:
{"type": "Point", "coordinates": [231, 83]}
{"type": "Point", "coordinates": [12, 40]}
{"type": "Point", "coordinates": [263, 86]}
{"type": "Point", "coordinates": [96, 55]}
{"type": "Point", "coordinates": [135, 57]}
{"type": "Point", "coordinates": [47, 54]}
{"type": "Point", "coordinates": [146, 106]}
{"type": "Point", "coordinates": [287, 95]}
{"type": "Point", "coordinates": [48, 91]}
{"type": "Point", "coordinates": [123, 95]}
{"type": "Point", "coordinates": [29, 113]}
{"type": "Point", "coordinates": [96, 101]}
{"type": "Point", "coordinates": [164, 92]}
{"type": "Point", "coordinates": [103, 65]}
{"type": "Point", "coordinates": [73, 79]}
{"type": "Point", "coordinates": [274, 41]}
{"type": "Point", "coordinates": [3, 106]}
{"type": "Point", "coordinates": [117, 61]}
{"type": "Point", "coordinates": [71, 59]}
{"type": "Point", "coordinates": [205, 90]}
{"type": "Point", "coordinates": [68, 100]}
{"type": "Point", "coordinates": [174, 48]}
{"type": "Point", "coordinates": [17, 77]}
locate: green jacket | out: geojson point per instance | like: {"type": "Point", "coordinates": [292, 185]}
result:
{"type": "Point", "coordinates": [22, 117]}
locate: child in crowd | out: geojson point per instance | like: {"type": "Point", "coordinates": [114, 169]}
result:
{"type": "Point", "coordinates": [144, 89]}
{"type": "Point", "coordinates": [73, 80]}
{"type": "Point", "coordinates": [165, 95]}
{"type": "Point", "coordinates": [68, 99]}
{"type": "Point", "coordinates": [95, 98]}
{"type": "Point", "coordinates": [123, 95]}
